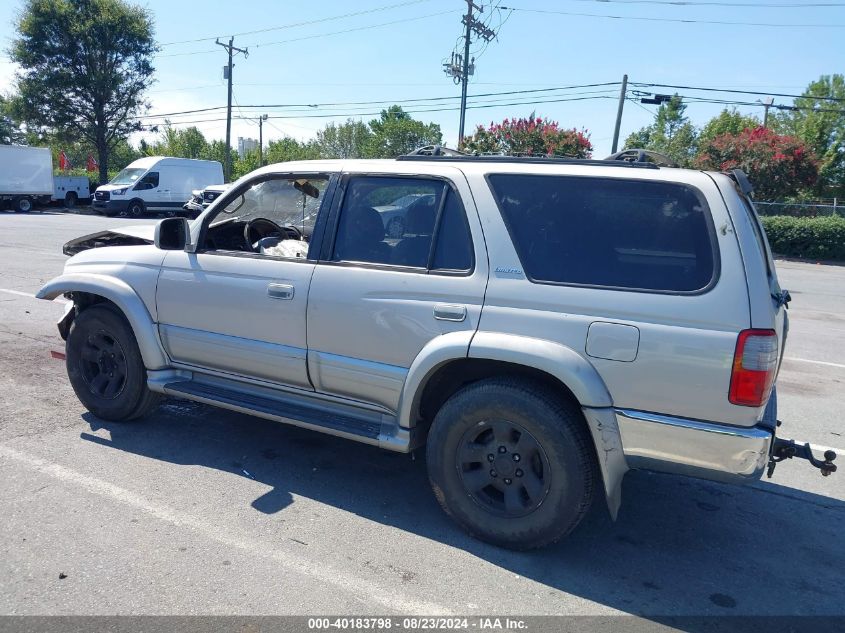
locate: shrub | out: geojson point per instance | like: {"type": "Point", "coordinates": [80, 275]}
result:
{"type": "Point", "coordinates": [811, 238]}
{"type": "Point", "coordinates": [534, 136]}
{"type": "Point", "coordinates": [778, 166]}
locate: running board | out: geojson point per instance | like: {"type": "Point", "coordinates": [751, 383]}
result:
{"type": "Point", "coordinates": [305, 410]}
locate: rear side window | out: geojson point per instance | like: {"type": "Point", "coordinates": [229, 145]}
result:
{"type": "Point", "coordinates": [403, 221]}
{"type": "Point", "coordinates": [627, 234]}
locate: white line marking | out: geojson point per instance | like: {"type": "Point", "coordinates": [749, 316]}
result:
{"type": "Point", "coordinates": [29, 295]}
{"type": "Point", "coordinates": [815, 362]}
{"type": "Point", "coordinates": [351, 583]}
{"type": "Point", "coordinates": [18, 292]}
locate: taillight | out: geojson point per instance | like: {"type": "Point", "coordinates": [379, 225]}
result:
{"type": "Point", "coordinates": [754, 368]}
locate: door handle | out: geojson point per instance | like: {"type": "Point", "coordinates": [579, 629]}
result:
{"type": "Point", "coordinates": [448, 312]}
{"type": "Point", "coordinates": [280, 291]}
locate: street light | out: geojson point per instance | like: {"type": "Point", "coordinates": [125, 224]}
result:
{"type": "Point", "coordinates": [261, 120]}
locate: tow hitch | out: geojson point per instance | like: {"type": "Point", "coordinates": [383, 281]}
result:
{"type": "Point", "coordinates": [787, 449]}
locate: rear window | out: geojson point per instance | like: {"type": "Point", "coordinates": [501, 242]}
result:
{"type": "Point", "coordinates": [610, 232]}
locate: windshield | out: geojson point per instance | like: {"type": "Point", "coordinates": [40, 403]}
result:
{"type": "Point", "coordinates": [128, 176]}
{"type": "Point", "coordinates": [282, 200]}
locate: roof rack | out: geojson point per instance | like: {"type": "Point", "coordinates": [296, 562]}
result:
{"type": "Point", "coordinates": [436, 150]}
{"type": "Point", "coordinates": [636, 155]}
{"type": "Point", "coordinates": [450, 155]}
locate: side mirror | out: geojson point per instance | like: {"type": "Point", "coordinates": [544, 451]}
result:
{"type": "Point", "coordinates": [172, 234]}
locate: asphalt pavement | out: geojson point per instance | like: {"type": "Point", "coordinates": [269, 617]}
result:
{"type": "Point", "coordinates": [198, 510]}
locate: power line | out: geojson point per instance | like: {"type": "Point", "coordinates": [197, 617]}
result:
{"type": "Point", "coordinates": [355, 29]}
{"type": "Point", "coordinates": [789, 108]}
{"type": "Point", "coordinates": [697, 3]}
{"type": "Point", "coordinates": [386, 101]}
{"type": "Point", "coordinates": [744, 92]}
{"type": "Point", "coordinates": [305, 23]}
{"type": "Point", "coordinates": [675, 20]}
{"type": "Point", "coordinates": [412, 111]}
{"type": "Point", "coordinates": [320, 35]}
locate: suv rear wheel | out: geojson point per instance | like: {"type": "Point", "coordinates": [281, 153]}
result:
{"type": "Point", "coordinates": [511, 463]}
{"type": "Point", "coordinates": [105, 366]}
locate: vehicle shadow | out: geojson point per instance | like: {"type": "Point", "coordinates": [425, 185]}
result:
{"type": "Point", "coordinates": [681, 547]}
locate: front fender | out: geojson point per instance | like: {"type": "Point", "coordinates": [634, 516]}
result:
{"type": "Point", "coordinates": [125, 298]}
{"type": "Point", "coordinates": [560, 361]}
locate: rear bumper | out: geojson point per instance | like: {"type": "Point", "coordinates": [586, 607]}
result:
{"type": "Point", "coordinates": [691, 447]}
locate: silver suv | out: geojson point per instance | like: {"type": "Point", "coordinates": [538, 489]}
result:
{"type": "Point", "coordinates": [541, 325]}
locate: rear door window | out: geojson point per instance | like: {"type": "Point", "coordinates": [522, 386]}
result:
{"type": "Point", "coordinates": [401, 221]}
{"type": "Point", "coordinates": [609, 232]}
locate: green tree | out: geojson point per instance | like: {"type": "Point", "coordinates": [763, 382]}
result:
{"type": "Point", "coordinates": [820, 124]}
{"type": "Point", "coordinates": [287, 149]}
{"type": "Point", "coordinates": [347, 140]}
{"type": "Point", "coordinates": [216, 150]}
{"type": "Point", "coordinates": [778, 166]}
{"type": "Point", "coordinates": [242, 165]}
{"type": "Point", "coordinates": [726, 122]}
{"type": "Point", "coordinates": [10, 127]}
{"type": "Point", "coordinates": [396, 132]}
{"type": "Point", "coordinates": [85, 65]}
{"type": "Point", "coordinates": [671, 133]}
{"type": "Point", "coordinates": [535, 136]}
{"type": "Point", "coordinates": [186, 143]}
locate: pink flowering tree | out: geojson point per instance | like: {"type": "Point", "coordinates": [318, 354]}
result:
{"type": "Point", "coordinates": [778, 166]}
{"type": "Point", "coordinates": [534, 136]}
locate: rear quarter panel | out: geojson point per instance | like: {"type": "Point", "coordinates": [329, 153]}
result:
{"type": "Point", "coordinates": [686, 343]}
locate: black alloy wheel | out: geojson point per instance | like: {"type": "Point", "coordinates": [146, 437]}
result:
{"type": "Point", "coordinates": [503, 468]}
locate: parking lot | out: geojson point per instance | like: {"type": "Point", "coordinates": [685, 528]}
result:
{"type": "Point", "coordinates": [203, 511]}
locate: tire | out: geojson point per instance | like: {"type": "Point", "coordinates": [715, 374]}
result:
{"type": "Point", "coordinates": [101, 342]}
{"type": "Point", "coordinates": [23, 204]}
{"type": "Point", "coordinates": [70, 199]}
{"type": "Point", "coordinates": [135, 209]}
{"type": "Point", "coordinates": [476, 445]}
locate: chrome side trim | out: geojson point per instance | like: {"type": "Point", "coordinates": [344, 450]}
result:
{"type": "Point", "coordinates": [357, 378]}
{"type": "Point", "coordinates": [692, 447]}
{"type": "Point", "coordinates": [270, 361]}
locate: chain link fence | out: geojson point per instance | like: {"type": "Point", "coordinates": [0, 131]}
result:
{"type": "Point", "coordinates": [802, 209]}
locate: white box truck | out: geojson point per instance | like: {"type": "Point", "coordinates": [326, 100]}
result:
{"type": "Point", "coordinates": [26, 177]}
{"type": "Point", "coordinates": [156, 184]}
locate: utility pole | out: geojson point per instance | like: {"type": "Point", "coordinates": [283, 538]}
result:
{"type": "Point", "coordinates": [461, 66]}
{"type": "Point", "coordinates": [468, 20]}
{"type": "Point", "coordinates": [261, 120]}
{"type": "Point", "coordinates": [622, 94]}
{"type": "Point", "coordinates": [767, 103]}
{"type": "Point", "coordinates": [227, 72]}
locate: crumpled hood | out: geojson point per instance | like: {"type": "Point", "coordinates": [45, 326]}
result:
{"type": "Point", "coordinates": [123, 236]}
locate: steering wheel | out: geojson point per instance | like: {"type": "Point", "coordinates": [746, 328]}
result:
{"type": "Point", "coordinates": [258, 228]}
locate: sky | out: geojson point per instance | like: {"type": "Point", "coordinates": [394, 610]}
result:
{"type": "Point", "coordinates": [303, 54]}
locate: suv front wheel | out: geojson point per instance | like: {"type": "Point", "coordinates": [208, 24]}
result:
{"type": "Point", "coordinates": [511, 463]}
{"type": "Point", "coordinates": [105, 367]}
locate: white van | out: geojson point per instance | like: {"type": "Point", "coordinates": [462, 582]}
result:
{"type": "Point", "coordinates": [156, 184]}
